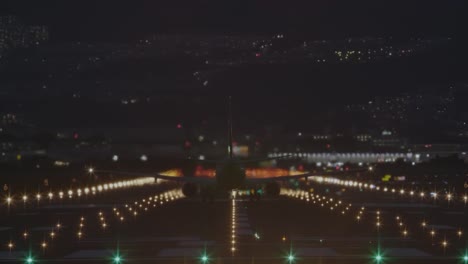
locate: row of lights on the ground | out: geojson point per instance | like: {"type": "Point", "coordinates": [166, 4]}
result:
{"type": "Point", "coordinates": [233, 227]}
{"type": "Point", "coordinates": [86, 191]}
{"type": "Point", "coordinates": [140, 205]}
{"type": "Point", "coordinates": [43, 245]}
{"type": "Point", "coordinates": [161, 199]}
{"type": "Point", "coordinates": [356, 184]}
{"type": "Point", "coordinates": [323, 201]}
{"type": "Point", "coordinates": [80, 227]}
{"type": "Point", "coordinates": [317, 199]}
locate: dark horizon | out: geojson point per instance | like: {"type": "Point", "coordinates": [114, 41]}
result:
{"type": "Point", "coordinates": [110, 21]}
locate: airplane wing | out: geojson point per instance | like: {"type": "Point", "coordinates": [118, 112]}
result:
{"type": "Point", "coordinates": [300, 176]}
{"type": "Point", "coordinates": [279, 178]}
{"type": "Point", "coordinates": [188, 179]}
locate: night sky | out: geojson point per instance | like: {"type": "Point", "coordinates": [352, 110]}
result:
{"type": "Point", "coordinates": [114, 20]}
{"type": "Point", "coordinates": [104, 20]}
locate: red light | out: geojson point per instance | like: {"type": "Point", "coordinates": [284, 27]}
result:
{"type": "Point", "coordinates": [75, 135]}
{"type": "Point", "coordinates": [328, 146]}
{"type": "Point", "coordinates": [187, 144]}
{"type": "Point", "coordinates": [258, 55]}
{"type": "Point", "coordinates": [179, 125]}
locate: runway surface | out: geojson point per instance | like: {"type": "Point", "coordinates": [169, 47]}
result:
{"type": "Point", "coordinates": [292, 228]}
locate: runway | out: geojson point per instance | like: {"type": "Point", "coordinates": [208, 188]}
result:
{"type": "Point", "coordinates": [288, 229]}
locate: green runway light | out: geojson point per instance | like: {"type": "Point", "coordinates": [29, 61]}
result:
{"type": "Point", "coordinates": [204, 259]}
{"type": "Point", "coordinates": [465, 258]}
{"type": "Point", "coordinates": [29, 260]}
{"type": "Point", "coordinates": [291, 258]}
{"type": "Point", "coordinates": [117, 259]}
{"type": "Point", "coordinates": [378, 258]}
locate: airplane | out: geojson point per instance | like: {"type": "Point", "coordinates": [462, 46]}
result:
{"type": "Point", "coordinates": [230, 175]}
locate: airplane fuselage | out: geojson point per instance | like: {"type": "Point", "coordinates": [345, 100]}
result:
{"type": "Point", "coordinates": [230, 175]}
